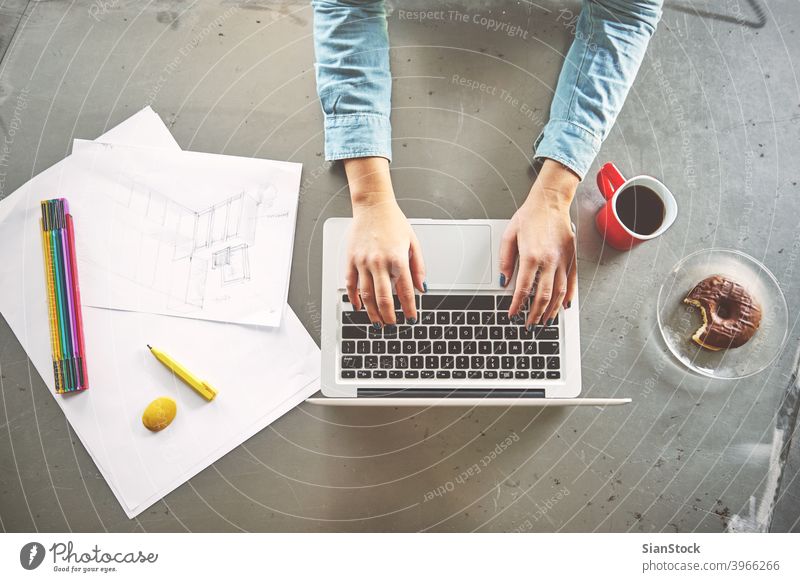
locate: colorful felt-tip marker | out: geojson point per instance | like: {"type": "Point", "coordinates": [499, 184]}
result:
{"type": "Point", "coordinates": [201, 387]}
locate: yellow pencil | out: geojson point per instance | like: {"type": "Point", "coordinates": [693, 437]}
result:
{"type": "Point", "coordinates": [202, 388]}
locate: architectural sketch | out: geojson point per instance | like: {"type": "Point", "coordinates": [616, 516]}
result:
{"type": "Point", "coordinates": [184, 254]}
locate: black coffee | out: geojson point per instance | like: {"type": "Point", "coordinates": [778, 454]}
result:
{"type": "Point", "coordinates": [640, 209]}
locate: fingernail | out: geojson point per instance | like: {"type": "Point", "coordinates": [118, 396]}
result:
{"type": "Point", "coordinates": [412, 320]}
{"type": "Point", "coordinates": [376, 325]}
{"type": "Point", "coordinates": [424, 286]}
{"type": "Point", "coordinates": [550, 321]}
{"type": "Point", "coordinates": [569, 304]}
{"type": "Point", "coordinates": [530, 327]}
{"type": "Point", "coordinates": [502, 280]}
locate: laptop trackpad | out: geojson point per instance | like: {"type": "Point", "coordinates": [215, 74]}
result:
{"type": "Point", "coordinates": [456, 253]}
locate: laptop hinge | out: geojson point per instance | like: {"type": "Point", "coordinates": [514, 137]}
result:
{"type": "Point", "coordinates": [451, 393]}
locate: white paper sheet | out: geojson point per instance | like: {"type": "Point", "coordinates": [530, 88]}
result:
{"type": "Point", "coordinates": [261, 373]}
{"type": "Point", "coordinates": [187, 234]}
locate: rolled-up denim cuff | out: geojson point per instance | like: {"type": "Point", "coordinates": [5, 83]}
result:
{"type": "Point", "coordinates": [357, 135]}
{"type": "Point", "coordinates": [569, 144]}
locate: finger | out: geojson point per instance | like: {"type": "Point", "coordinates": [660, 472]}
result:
{"type": "Point", "coordinates": [508, 256]}
{"type": "Point", "coordinates": [351, 282]}
{"type": "Point", "coordinates": [572, 281]}
{"type": "Point", "coordinates": [559, 292]}
{"type": "Point", "coordinates": [383, 295]}
{"type": "Point", "coordinates": [405, 292]}
{"type": "Point", "coordinates": [524, 287]}
{"type": "Point", "coordinates": [417, 265]}
{"type": "Point", "coordinates": [544, 293]}
{"type": "Point", "coordinates": [367, 292]}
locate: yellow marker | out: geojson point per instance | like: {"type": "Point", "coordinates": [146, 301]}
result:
{"type": "Point", "coordinates": [200, 387]}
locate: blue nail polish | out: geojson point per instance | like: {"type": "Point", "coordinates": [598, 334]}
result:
{"type": "Point", "coordinates": [412, 320]}
{"type": "Point", "coordinates": [550, 321]}
{"type": "Point", "coordinates": [424, 286]}
{"type": "Point", "coordinates": [530, 327]}
{"type": "Point", "coordinates": [569, 304]}
{"type": "Point", "coordinates": [502, 280]}
{"type": "Point", "coordinates": [376, 325]}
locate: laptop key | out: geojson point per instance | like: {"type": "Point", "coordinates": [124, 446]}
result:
{"type": "Point", "coordinates": [386, 362]}
{"type": "Point", "coordinates": [432, 362]}
{"type": "Point", "coordinates": [348, 347]}
{"type": "Point", "coordinates": [529, 348]}
{"type": "Point", "coordinates": [405, 332]}
{"type": "Point", "coordinates": [511, 333]}
{"type": "Point", "coordinates": [354, 332]}
{"type": "Point", "coordinates": [443, 374]}
{"type": "Point", "coordinates": [363, 374]}
{"type": "Point", "coordinates": [378, 347]}
{"type": "Point", "coordinates": [553, 362]}
{"type": "Point", "coordinates": [523, 362]}
{"type": "Point", "coordinates": [484, 347]}
{"type": "Point", "coordinates": [374, 333]}
{"type": "Point", "coordinates": [548, 347]}
{"type": "Point", "coordinates": [450, 332]}
{"type": "Point", "coordinates": [521, 374]}
{"type": "Point", "coordinates": [465, 333]}
{"type": "Point", "coordinates": [458, 318]}
{"type": "Point", "coordinates": [474, 374]}
{"type": "Point", "coordinates": [447, 362]}
{"type": "Point", "coordinates": [515, 347]}
{"type": "Point", "coordinates": [420, 332]}
{"type": "Point", "coordinates": [426, 374]}
{"type": "Point", "coordinates": [439, 347]}
{"type": "Point", "coordinates": [459, 374]}
{"type": "Point", "coordinates": [409, 347]}
{"type": "Point", "coordinates": [462, 362]}
{"type": "Point", "coordinates": [537, 363]}
{"type": "Point", "coordinates": [476, 362]}
{"type": "Point", "coordinates": [470, 347]}
{"type": "Point", "coordinates": [504, 302]}
{"type": "Point", "coordinates": [352, 362]}
{"type": "Point", "coordinates": [411, 374]}
{"type": "Point", "coordinates": [395, 347]}
{"type": "Point", "coordinates": [537, 375]}
{"type": "Point", "coordinates": [490, 375]}
{"type": "Point", "coordinates": [380, 374]}
{"type": "Point", "coordinates": [453, 347]}
{"type": "Point", "coordinates": [503, 318]}
{"type": "Point", "coordinates": [417, 362]}
{"type": "Point", "coordinates": [487, 318]}
{"type": "Point", "coordinates": [474, 317]}
{"type": "Point", "coordinates": [371, 362]}
{"type": "Point", "coordinates": [356, 317]}
{"type": "Point", "coordinates": [553, 375]}
{"type": "Point", "coordinates": [394, 374]}
{"type": "Point", "coordinates": [481, 333]}
{"type": "Point", "coordinates": [390, 331]}
{"type": "Point", "coordinates": [427, 318]}
{"type": "Point", "coordinates": [442, 318]}
{"type": "Point", "coordinates": [363, 347]}
{"type": "Point", "coordinates": [493, 362]}
{"type": "Point", "coordinates": [348, 374]}
{"type": "Point", "coordinates": [500, 348]}
{"type": "Point", "coordinates": [424, 347]}
{"type": "Point", "coordinates": [401, 362]}
{"type": "Point", "coordinates": [435, 332]}
{"type": "Point", "coordinates": [547, 333]}
{"type": "Point", "coordinates": [506, 374]}
{"type": "Point", "coordinates": [496, 332]}
{"type": "Point", "coordinates": [525, 334]}
{"type": "Point", "coordinates": [507, 362]}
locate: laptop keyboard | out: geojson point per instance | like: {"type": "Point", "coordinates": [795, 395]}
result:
{"type": "Point", "coordinates": [460, 337]}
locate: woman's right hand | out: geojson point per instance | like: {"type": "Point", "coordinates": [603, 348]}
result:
{"type": "Point", "coordinates": [383, 249]}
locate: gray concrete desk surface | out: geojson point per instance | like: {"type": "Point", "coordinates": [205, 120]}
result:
{"type": "Point", "coordinates": [714, 113]}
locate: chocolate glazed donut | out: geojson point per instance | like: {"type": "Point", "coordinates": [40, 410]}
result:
{"type": "Point", "coordinates": [730, 314]}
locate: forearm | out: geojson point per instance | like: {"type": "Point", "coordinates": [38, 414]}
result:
{"type": "Point", "coordinates": [611, 37]}
{"type": "Point", "coordinates": [353, 77]}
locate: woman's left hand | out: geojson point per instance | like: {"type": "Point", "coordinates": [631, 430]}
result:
{"type": "Point", "coordinates": [540, 235]}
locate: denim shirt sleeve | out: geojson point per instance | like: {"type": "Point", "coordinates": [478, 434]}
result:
{"type": "Point", "coordinates": [611, 37]}
{"type": "Point", "coordinates": [354, 81]}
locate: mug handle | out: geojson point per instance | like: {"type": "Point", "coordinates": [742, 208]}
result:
{"type": "Point", "coordinates": [609, 179]}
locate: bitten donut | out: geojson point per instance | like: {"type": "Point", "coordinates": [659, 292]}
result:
{"type": "Point", "coordinates": [731, 315]}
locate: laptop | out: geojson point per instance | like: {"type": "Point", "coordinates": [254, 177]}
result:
{"type": "Point", "coordinates": [464, 349]}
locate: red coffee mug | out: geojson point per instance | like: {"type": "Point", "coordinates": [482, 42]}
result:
{"type": "Point", "coordinates": [611, 182]}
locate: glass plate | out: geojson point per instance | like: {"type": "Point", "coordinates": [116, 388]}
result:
{"type": "Point", "coordinates": [678, 321]}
